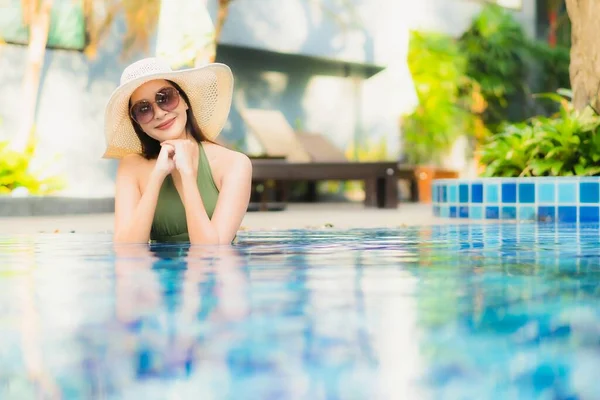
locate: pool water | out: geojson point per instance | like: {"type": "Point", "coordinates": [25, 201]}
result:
{"type": "Point", "coordinates": [455, 312]}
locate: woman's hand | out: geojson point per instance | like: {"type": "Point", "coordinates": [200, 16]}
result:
{"type": "Point", "coordinates": [165, 162]}
{"type": "Point", "coordinates": [186, 156]}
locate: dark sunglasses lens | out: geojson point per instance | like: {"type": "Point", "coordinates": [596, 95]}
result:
{"type": "Point", "coordinates": [142, 112]}
{"type": "Point", "coordinates": [167, 99]}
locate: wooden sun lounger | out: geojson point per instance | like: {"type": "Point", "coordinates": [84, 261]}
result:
{"type": "Point", "coordinates": [310, 157]}
{"type": "Point", "coordinates": [380, 178]}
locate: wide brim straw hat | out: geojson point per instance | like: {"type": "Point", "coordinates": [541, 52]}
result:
{"type": "Point", "coordinates": [209, 89]}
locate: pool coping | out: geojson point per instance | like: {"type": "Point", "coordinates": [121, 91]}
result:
{"type": "Point", "coordinates": [40, 206]}
{"type": "Point", "coordinates": [29, 206]}
{"type": "Point", "coordinates": [544, 199]}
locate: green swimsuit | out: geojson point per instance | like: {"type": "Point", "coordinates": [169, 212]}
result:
{"type": "Point", "coordinates": [169, 223]}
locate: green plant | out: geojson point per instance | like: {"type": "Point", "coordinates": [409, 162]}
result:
{"type": "Point", "coordinates": [15, 172]}
{"type": "Point", "coordinates": [552, 71]}
{"type": "Point", "coordinates": [509, 67]}
{"type": "Point", "coordinates": [448, 98]}
{"type": "Point", "coordinates": [565, 144]}
{"type": "Point", "coordinates": [496, 51]}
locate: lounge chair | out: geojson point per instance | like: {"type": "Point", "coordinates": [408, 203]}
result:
{"type": "Point", "coordinates": [311, 158]}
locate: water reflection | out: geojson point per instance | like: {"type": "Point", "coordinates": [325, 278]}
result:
{"type": "Point", "coordinates": [170, 301]}
{"type": "Point", "coordinates": [492, 311]}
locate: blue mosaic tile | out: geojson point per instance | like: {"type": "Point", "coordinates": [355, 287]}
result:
{"type": "Point", "coordinates": [463, 193]}
{"type": "Point", "coordinates": [545, 193]}
{"type": "Point", "coordinates": [526, 193]}
{"type": "Point", "coordinates": [527, 213]}
{"type": "Point", "coordinates": [492, 212]}
{"type": "Point", "coordinates": [567, 214]}
{"type": "Point", "coordinates": [476, 212]}
{"type": "Point", "coordinates": [477, 193]}
{"type": "Point", "coordinates": [589, 214]}
{"type": "Point", "coordinates": [542, 199]}
{"type": "Point", "coordinates": [567, 192]}
{"type": "Point", "coordinates": [588, 192]}
{"type": "Point", "coordinates": [509, 192]}
{"type": "Point", "coordinates": [452, 197]}
{"type": "Point", "coordinates": [444, 211]}
{"type": "Point", "coordinates": [509, 212]}
{"type": "Point", "coordinates": [491, 193]}
{"type": "Point", "coordinates": [453, 212]}
{"type": "Point", "coordinates": [546, 213]}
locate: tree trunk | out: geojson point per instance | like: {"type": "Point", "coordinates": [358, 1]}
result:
{"type": "Point", "coordinates": [221, 18]}
{"type": "Point", "coordinates": [37, 14]}
{"type": "Point", "coordinates": [585, 51]}
{"type": "Point", "coordinates": [222, 14]}
{"type": "Point", "coordinates": [207, 53]}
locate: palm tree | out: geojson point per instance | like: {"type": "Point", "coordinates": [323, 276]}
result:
{"type": "Point", "coordinates": [141, 17]}
{"type": "Point", "coordinates": [36, 16]}
{"type": "Point", "coordinates": [222, 14]}
{"type": "Point", "coordinates": [585, 51]}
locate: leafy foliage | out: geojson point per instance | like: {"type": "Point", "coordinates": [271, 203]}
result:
{"type": "Point", "coordinates": [494, 46]}
{"type": "Point", "coordinates": [509, 66]}
{"type": "Point", "coordinates": [565, 144]}
{"type": "Point", "coordinates": [15, 172]}
{"type": "Point", "coordinates": [447, 97]}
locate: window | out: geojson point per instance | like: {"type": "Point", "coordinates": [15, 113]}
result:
{"type": "Point", "coordinates": [67, 24]}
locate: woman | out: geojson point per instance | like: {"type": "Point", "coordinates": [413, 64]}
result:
{"type": "Point", "coordinates": [174, 184]}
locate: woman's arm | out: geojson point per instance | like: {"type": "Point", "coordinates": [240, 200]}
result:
{"type": "Point", "coordinates": [134, 211]}
{"type": "Point", "coordinates": [231, 207]}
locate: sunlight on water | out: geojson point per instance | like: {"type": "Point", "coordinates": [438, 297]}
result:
{"type": "Point", "coordinates": [453, 312]}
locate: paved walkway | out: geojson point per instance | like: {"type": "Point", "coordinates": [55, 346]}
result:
{"type": "Point", "coordinates": [297, 216]}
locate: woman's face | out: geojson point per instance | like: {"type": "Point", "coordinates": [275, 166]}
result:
{"type": "Point", "coordinates": [159, 110]}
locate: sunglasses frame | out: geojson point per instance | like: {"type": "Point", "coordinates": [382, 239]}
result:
{"type": "Point", "coordinates": [153, 103]}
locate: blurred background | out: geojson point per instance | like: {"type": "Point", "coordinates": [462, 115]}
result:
{"type": "Point", "coordinates": [423, 82]}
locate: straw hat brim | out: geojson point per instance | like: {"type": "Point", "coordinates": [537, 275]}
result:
{"type": "Point", "coordinates": [209, 89]}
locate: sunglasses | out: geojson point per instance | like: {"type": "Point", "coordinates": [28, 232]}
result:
{"type": "Point", "coordinates": [167, 99]}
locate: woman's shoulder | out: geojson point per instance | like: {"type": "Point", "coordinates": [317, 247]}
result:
{"type": "Point", "coordinates": [226, 157]}
{"type": "Point", "coordinates": [132, 163]}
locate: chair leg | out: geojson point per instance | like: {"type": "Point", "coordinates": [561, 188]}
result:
{"type": "Point", "coordinates": [414, 191]}
{"type": "Point", "coordinates": [387, 192]}
{"type": "Point", "coordinates": [371, 196]}
{"type": "Point", "coordinates": [282, 191]}
{"type": "Point", "coordinates": [391, 192]}
{"type": "Point", "coordinates": [264, 196]}
{"type": "Point", "coordinates": [311, 192]}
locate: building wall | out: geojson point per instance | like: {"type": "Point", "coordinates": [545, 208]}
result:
{"type": "Point", "coordinates": [369, 31]}
{"type": "Point", "coordinates": [373, 32]}
{"type": "Point", "coordinates": [69, 123]}
{"type": "Point", "coordinates": [325, 99]}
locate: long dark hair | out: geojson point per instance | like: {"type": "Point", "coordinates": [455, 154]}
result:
{"type": "Point", "coordinates": [151, 147]}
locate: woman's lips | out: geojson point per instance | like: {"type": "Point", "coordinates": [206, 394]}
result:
{"type": "Point", "coordinates": [166, 124]}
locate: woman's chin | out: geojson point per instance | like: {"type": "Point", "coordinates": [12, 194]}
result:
{"type": "Point", "coordinates": [172, 133]}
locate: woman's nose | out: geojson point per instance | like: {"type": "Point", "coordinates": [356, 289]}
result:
{"type": "Point", "coordinates": [158, 112]}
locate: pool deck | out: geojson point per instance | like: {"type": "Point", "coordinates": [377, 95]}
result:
{"type": "Point", "coordinates": [296, 216]}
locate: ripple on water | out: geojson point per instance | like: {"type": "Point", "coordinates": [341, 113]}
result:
{"type": "Point", "coordinates": [466, 311]}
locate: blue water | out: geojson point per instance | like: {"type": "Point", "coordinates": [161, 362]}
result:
{"type": "Point", "coordinates": [455, 312]}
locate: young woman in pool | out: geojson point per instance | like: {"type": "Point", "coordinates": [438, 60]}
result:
{"type": "Point", "coordinates": [174, 184]}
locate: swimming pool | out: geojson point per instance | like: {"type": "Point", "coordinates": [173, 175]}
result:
{"type": "Point", "coordinates": [460, 311]}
